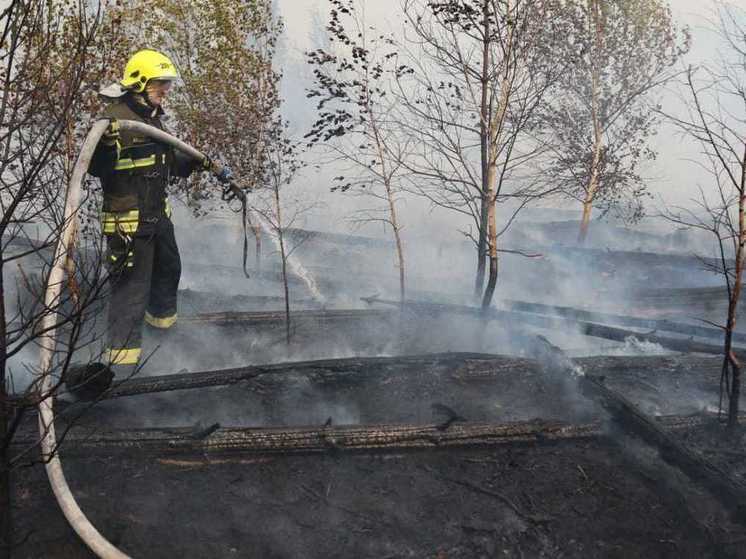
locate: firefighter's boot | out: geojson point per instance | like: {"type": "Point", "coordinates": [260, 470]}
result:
{"type": "Point", "coordinates": [88, 382]}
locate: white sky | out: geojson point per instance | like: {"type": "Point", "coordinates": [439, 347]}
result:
{"type": "Point", "coordinates": [672, 178]}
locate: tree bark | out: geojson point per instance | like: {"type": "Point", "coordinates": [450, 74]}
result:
{"type": "Point", "coordinates": [730, 358]}
{"type": "Point", "coordinates": [397, 237]}
{"type": "Point", "coordinates": [314, 439]}
{"type": "Point", "coordinates": [5, 500]}
{"type": "Point", "coordinates": [6, 531]}
{"type": "Point", "coordinates": [484, 153]}
{"type": "Point", "coordinates": [481, 251]}
{"type": "Point", "coordinates": [390, 198]}
{"type": "Point", "coordinates": [495, 130]}
{"type": "Point", "coordinates": [492, 243]}
{"type": "Point", "coordinates": [283, 256]}
{"type": "Point", "coordinates": [591, 188]}
{"type": "Point", "coordinates": [257, 245]}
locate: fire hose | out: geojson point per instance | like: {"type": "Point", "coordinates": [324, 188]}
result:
{"type": "Point", "coordinates": [44, 381]}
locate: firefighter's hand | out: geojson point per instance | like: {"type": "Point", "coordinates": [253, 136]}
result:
{"type": "Point", "coordinates": [111, 135]}
{"type": "Point", "coordinates": [225, 175]}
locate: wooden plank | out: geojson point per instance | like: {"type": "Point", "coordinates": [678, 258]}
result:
{"type": "Point", "coordinates": [730, 492]}
{"type": "Point", "coordinates": [319, 439]}
{"type": "Point", "coordinates": [550, 322]}
{"type": "Point", "coordinates": [338, 368]}
{"type": "Point", "coordinates": [622, 320]}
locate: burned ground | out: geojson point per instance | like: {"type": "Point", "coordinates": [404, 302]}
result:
{"type": "Point", "coordinates": [572, 500]}
{"type": "Point", "coordinates": [605, 495]}
{"type": "Point", "coordinates": [416, 435]}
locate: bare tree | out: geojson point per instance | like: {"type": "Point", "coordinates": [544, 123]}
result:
{"type": "Point", "coordinates": [479, 69]}
{"type": "Point", "coordinates": [352, 81]}
{"type": "Point", "coordinates": [281, 166]}
{"type": "Point", "coordinates": [716, 118]}
{"type": "Point", "coordinates": [601, 114]}
{"type": "Point", "coordinates": [41, 89]}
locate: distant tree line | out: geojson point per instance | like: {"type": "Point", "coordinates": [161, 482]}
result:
{"type": "Point", "coordinates": [483, 107]}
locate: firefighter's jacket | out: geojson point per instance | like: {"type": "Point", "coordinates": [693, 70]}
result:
{"type": "Point", "coordinates": [135, 172]}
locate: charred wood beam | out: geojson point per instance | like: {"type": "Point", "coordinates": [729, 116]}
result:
{"type": "Point", "coordinates": [317, 439]}
{"type": "Point", "coordinates": [277, 318]}
{"type": "Point", "coordinates": [614, 333]}
{"type": "Point", "coordinates": [628, 416]}
{"type": "Point", "coordinates": [549, 322]}
{"type": "Point", "coordinates": [706, 298]}
{"type": "Point", "coordinates": [621, 320]}
{"type": "Point", "coordinates": [635, 258]}
{"type": "Point", "coordinates": [335, 367]}
{"type": "Point", "coordinates": [632, 420]}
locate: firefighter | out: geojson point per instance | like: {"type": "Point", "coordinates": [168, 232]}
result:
{"type": "Point", "coordinates": [142, 256]}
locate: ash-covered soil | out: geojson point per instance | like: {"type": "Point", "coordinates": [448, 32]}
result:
{"type": "Point", "coordinates": [480, 388]}
{"type": "Point", "coordinates": [724, 448]}
{"type": "Point", "coordinates": [604, 497]}
{"type": "Point", "coordinates": [611, 496]}
{"type": "Point", "coordinates": [575, 499]}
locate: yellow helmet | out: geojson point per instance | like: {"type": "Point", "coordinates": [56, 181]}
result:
{"type": "Point", "coordinates": [146, 65]}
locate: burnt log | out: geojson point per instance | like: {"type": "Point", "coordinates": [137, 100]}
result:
{"type": "Point", "coordinates": [264, 319]}
{"type": "Point", "coordinates": [631, 419]}
{"type": "Point", "coordinates": [730, 492]}
{"type": "Point", "coordinates": [621, 320]}
{"type": "Point", "coordinates": [638, 259]}
{"type": "Point", "coordinates": [550, 322]}
{"type": "Point", "coordinates": [321, 439]}
{"type": "Point", "coordinates": [708, 299]}
{"type": "Point", "coordinates": [337, 368]}
{"type": "Point", "coordinates": [328, 438]}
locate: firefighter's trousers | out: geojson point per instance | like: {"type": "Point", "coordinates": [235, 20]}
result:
{"type": "Point", "coordinates": [144, 279]}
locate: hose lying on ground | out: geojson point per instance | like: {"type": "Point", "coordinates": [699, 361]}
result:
{"type": "Point", "coordinates": [82, 526]}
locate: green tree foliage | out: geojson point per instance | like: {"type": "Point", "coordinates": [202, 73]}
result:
{"type": "Point", "coordinates": [224, 52]}
{"type": "Point", "coordinates": [602, 113]}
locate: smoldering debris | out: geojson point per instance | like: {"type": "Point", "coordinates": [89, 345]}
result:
{"type": "Point", "coordinates": [376, 381]}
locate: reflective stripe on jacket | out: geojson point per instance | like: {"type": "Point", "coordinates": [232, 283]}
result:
{"type": "Point", "coordinates": [135, 172]}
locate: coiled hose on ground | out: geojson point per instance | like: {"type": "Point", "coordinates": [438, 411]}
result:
{"type": "Point", "coordinates": [75, 516]}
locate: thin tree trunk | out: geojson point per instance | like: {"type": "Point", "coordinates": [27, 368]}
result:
{"type": "Point", "coordinates": [735, 395]}
{"type": "Point", "coordinates": [5, 498]}
{"type": "Point", "coordinates": [283, 256]}
{"type": "Point", "coordinates": [397, 237]}
{"type": "Point", "coordinates": [286, 291]}
{"type": "Point", "coordinates": [257, 231]}
{"type": "Point", "coordinates": [482, 247]}
{"type": "Point", "coordinates": [492, 281]}
{"type": "Point", "coordinates": [393, 216]}
{"type": "Point", "coordinates": [484, 137]}
{"type": "Point", "coordinates": [732, 360]}
{"type": "Point", "coordinates": [591, 188]}
{"type": "Point", "coordinates": [586, 219]}
{"type": "Point", "coordinates": [257, 248]}
{"type": "Point", "coordinates": [496, 125]}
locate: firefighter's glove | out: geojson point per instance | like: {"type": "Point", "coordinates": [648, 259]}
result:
{"type": "Point", "coordinates": [225, 175]}
{"type": "Point", "coordinates": [111, 136]}
{"type": "Point", "coordinates": [206, 164]}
